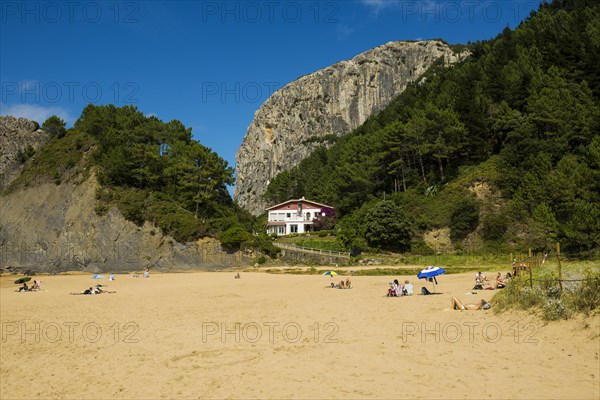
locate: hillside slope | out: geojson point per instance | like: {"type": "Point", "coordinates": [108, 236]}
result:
{"type": "Point", "coordinates": [53, 228]}
{"type": "Point", "coordinates": [321, 106]}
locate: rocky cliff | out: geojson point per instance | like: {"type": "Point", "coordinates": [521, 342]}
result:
{"type": "Point", "coordinates": [46, 227]}
{"type": "Point", "coordinates": [16, 135]}
{"type": "Point", "coordinates": [53, 228]}
{"type": "Point", "coordinates": [332, 101]}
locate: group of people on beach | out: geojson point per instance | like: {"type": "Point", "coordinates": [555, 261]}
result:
{"type": "Point", "coordinates": [343, 284]}
{"type": "Point", "coordinates": [37, 285]}
{"type": "Point", "coordinates": [482, 283]}
{"type": "Point", "coordinates": [397, 290]}
{"type": "Point", "coordinates": [146, 273]}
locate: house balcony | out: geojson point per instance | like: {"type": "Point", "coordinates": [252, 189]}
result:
{"type": "Point", "coordinates": [293, 218]}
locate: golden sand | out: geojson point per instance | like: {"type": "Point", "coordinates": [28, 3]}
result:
{"type": "Point", "coordinates": [208, 335]}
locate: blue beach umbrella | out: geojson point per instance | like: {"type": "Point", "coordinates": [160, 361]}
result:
{"type": "Point", "coordinates": [332, 273]}
{"type": "Point", "coordinates": [431, 272]}
{"type": "Point", "coordinates": [97, 277]}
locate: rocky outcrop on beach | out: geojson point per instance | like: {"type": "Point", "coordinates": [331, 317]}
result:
{"type": "Point", "coordinates": [45, 227]}
{"type": "Point", "coordinates": [331, 102]}
{"type": "Point", "coordinates": [16, 136]}
{"type": "Point", "coordinates": [54, 228]}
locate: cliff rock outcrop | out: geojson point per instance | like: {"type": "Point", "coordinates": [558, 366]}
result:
{"type": "Point", "coordinates": [53, 228]}
{"type": "Point", "coordinates": [332, 101]}
{"type": "Point", "coordinates": [16, 135]}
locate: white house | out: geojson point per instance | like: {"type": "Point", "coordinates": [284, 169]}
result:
{"type": "Point", "coordinates": [293, 216]}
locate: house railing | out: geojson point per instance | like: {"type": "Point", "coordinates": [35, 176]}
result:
{"type": "Point", "coordinates": [292, 219]}
{"type": "Point", "coordinates": [309, 250]}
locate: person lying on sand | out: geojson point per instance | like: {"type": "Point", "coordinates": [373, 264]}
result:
{"type": "Point", "coordinates": [457, 305]}
{"type": "Point", "coordinates": [92, 290]}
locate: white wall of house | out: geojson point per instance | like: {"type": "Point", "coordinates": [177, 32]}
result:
{"type": "Point", "coordinates": [294, 222]}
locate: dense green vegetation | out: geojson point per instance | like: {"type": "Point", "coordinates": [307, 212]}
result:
{"type": "Point", "coordinates": [151, 170]}
{"type": "Point", "coordinates": [578, 294]}
{"type": "Point", "coordinates": [521, 114]}
{"type": "Point", "coordinates": [61, 158]}
{"type": "Point", "coordinates": [155, 171]}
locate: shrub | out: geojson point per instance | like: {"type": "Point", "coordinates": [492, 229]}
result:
{"type": "Point", "coordinates": [494, 227]}
{"type": "Point", "coordinates": [264, 244]}
{"type": "Point", "coordinates": [387, 226]}
{"type": "Point", "coordinates": [464, 218]}
{"type": "Point", "coordinates": [233, 238]}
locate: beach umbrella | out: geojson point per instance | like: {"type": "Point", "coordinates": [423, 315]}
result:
{"type": "Point", "coordinates": [331, 273]}
{"type": "Point", "coordinates": [430, 273]}
{"type": "Point", "coordinates": [23, 280]}
{"type": "Point", "coordinates": [97, 277]}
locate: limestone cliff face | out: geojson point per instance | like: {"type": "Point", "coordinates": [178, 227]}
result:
{"type": "Point", "coordinates": [332, 101]}
{"type": "Point", "coordinates": [53, 228]}
{"type": "Point", "coordinates": [16, 134]}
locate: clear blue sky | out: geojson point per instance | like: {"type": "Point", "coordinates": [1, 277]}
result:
{"type": "Point", "coordinates": [209, 64]}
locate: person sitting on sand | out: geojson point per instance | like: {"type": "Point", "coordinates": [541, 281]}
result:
{"type": "Point", "coordinates": [37, 285]}
{"type": "Point", "coordinates": [237, 276]}
{"type": "Point", "coordinates": [147, 273]}
{"type": "Point", "coordinates": [480, 278]}
{"type": "Point", "coordinates": [391, 292]}
{"type": "Point", "coordinates": [342, 285]}
{"type": "Point", "coordinates": [348, 283]}
{"type": "Point", "coordinates": [398, 288]}
{"type": "Point", "coordinates": [457, 305]}
{"type": "Point", "coordinates": [408, 288]}
{"type": "Point", "coordinates": [23, 288]}
{"type": "Point", "coordinates": [499, 281]}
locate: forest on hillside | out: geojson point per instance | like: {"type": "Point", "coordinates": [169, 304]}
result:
{"type": "Point", "coordinates": [521, 114]}
{"type": "Point", "coordinates": [149, 169]}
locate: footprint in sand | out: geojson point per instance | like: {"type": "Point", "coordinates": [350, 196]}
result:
{"type": "Point", "coordinates": [212, 358]}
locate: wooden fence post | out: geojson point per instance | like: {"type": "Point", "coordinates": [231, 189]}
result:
{"type": "Point", "coordinates": [530, 268]}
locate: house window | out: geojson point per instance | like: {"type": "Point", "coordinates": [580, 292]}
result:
{"type": "Point", "coordinates": [307, 216]}
{"type": "Point", "coordinates": [289, 215]}
{"type": "Point", "coordinates": [293, 228]}
{"type": "Point", "coordinates": [281, 230]}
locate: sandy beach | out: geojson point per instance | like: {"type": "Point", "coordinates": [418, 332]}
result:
{"type": "Point", "coordinates": [208, 335]}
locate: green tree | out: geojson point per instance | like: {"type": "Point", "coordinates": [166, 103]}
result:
{"type": "Point", "coordinates": [55, 126]}
{"type": "Point", "coordinates": [387, 226]}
